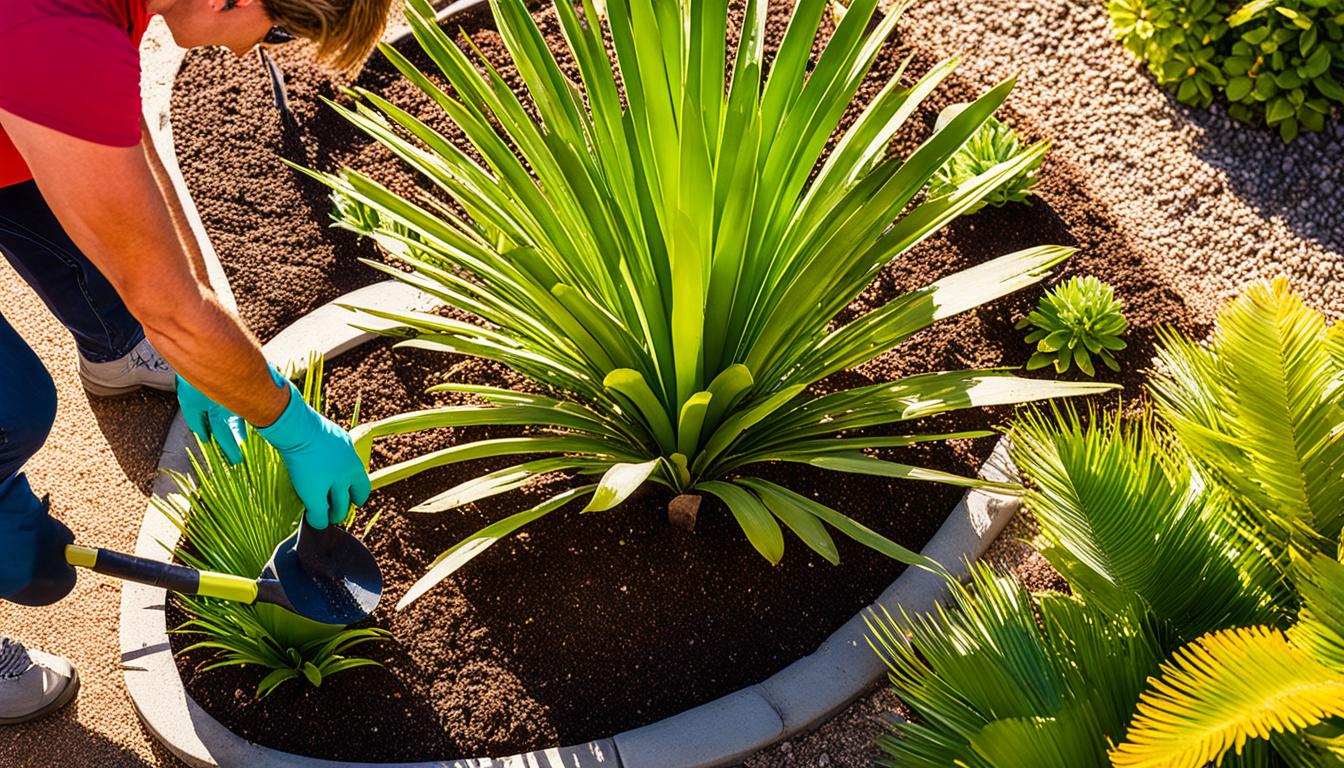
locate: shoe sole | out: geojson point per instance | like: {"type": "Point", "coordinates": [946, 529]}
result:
{"type": "Point", "coordinates": [66, 697]}
{"type": "Point", "coordinates": [102, 390]}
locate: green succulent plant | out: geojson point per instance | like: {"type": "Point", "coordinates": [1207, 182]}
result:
{"type": "Point", "coordinates": [232, 516]}
{"type": "Point", "coordinates": [660, 242]}
{"type": "Point", "coordinates": [993, 144]}
{"type": "Point", "coordinates": [1076, 320]}
{"type": "Point", "coordinates": [1279, 62]}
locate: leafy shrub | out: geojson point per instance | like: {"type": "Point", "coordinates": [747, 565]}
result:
{"type": "Point", "coordinates": [1075, 320]}
{"type": "Point", "coordinates": [232, 517]}
{"type": "Point", "coordinates": [1209, 535]}
{"type": "Point", "coordinates": [1275, 61]}
{"type": "Point", "coordinates": [993, 144]}
{"type": "Point", "coordinates": [667, 267]}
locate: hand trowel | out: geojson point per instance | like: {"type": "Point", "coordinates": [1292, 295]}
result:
{"type": "Point", "coordinates": [326, 575]}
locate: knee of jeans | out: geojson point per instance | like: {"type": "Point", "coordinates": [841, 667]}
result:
{"type": "Point", "coordinates": [27, 411]}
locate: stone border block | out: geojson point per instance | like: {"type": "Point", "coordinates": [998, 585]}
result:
{"type": "Point", "coordinates": [722, 732]}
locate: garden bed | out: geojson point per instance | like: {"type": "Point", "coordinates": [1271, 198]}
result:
{"type": "Point", "coordinates": [583, 626]}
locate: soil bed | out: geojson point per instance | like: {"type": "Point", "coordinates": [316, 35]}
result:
{"type": "Point", "coordinates": [582, 626]}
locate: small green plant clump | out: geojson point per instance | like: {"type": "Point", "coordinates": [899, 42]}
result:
{"type": "Point", "coordinates": [231, 517]}
{"type": "Point", "coordinates": [994, 143]}
{"type": "Point", "coordinates": [1076, 320]}
{"type": "Point", "coordinates": [1280, 62]}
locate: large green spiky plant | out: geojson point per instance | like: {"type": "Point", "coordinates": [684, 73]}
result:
{"type": "Point", "coordinates": [1172, 518]}
{"type": "Point", "coordinates": [233, 516]}
{"type": "Point", "coordinates": [665, 248]}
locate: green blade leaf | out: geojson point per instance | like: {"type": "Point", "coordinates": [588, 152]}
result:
{"type": "Point", "coordinates": [461, 553]}
{"type": "Point", "coordinates": [761, 529]}
{"type": "Point", "coordinates": [618, 483]}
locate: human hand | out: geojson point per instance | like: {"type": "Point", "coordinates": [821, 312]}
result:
{"type": "Point", "coordinates": [327, 473]}
{"type": "Point", "coordinates": [208, 419]}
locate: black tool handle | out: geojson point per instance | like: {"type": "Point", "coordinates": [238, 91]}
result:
{"type": "Point", "coordinates": [178, 578]}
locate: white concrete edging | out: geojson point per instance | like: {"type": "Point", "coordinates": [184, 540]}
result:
{"type": "Point", "coordinates": [721, 732]}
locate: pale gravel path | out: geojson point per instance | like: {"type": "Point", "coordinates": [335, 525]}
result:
{"type": "Point", "coordinates": [1215, 203]}
{"type": "Point", "coordinates": [97, 465]}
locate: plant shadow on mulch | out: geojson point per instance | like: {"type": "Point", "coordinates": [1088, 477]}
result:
{"type": "Point", "coordinates": [582, 625]}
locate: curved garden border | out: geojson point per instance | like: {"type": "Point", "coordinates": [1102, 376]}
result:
{"type": "Point", "coordinates": [721, 732]}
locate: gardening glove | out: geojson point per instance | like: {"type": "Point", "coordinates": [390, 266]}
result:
{"type": "Point", "coordinates": [326, 472]}
{"type": "Point", "coordinates": [207, 419]}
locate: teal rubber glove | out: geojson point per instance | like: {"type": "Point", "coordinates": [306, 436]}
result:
{"type": "Point", "coordinates": [207, 419]}
{"type": "Point", "coordinates": [320, 456]}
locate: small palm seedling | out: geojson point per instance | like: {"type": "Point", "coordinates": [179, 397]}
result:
{"type": "Point", "coordinates": [1075, 321]}
{"type": "Point", "coordinates": [993, 144]}
{"type": "Point", "coordinates": [665, 265]}
{"type": "Point", "coordinates": [1207, 537]}
{"type": "Point", "coordinates": [232, 516]}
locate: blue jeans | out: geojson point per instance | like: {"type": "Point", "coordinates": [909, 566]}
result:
{"type": "Point", "coordinates": [32, 559]}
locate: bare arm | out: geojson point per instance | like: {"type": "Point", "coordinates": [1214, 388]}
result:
{"type": "Point", "coordinates": [175, 209]}
{"type": "Point", "coordinates": [107, 200]}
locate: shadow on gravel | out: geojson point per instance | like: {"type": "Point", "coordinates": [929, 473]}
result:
{"type": "Point", "coordinates": [61, 740]}
{"type": "Point", "coordinates": [1300, 184]}
{"type": "Point", "coordinates": [135, 427]}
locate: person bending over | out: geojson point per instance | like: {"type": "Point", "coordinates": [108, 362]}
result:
{"type": "Point", "coordinates": [88, 219]}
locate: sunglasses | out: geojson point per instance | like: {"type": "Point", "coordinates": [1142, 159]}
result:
{"type": "Point", "coordinates": [274, 35]}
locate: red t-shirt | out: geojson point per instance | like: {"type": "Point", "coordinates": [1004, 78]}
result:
{"type": "Point", "coordinates": [73, 66]}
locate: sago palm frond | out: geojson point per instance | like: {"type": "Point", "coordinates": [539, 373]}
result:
{"type": "Point", "coordinates": [1224, 690]}
{"type": "Point", "coordinates": [1261, 408]}
{"type": "Point", "coordinates": [654, 250]}
{"type": "Point", "coordinates": [993, 687]}
{"type": "Point", "coordinates": [1320, 626]}
{"type": "Point", "coordinates": [1123, 515]}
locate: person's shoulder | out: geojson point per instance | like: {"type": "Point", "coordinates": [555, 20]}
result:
{"type": "Point", "coordinates": [17, 16]}
{"type": "Point", "coordinates": [76, 74]}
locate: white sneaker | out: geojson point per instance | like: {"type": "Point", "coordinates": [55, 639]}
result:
{"type": "Point", "coordinates": [141, 367]}
{"type": "Point", "coordinates": [32, 683]}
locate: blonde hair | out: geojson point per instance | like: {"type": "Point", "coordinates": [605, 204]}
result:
{"type": "Point", "coordinates": [345, 30]}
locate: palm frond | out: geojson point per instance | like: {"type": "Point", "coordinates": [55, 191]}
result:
{"type": "Point", "coordinates": [1224, 690]}
{"type": "Point", "coordinates": [1261, 408]}
{"type": "Point", "coordinates": [1123, 515]}
{"type": "Point", "coordinates": [995, 687]}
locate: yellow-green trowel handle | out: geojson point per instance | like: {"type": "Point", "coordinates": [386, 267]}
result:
{"type": "Point", "coordinates": [178, 578]}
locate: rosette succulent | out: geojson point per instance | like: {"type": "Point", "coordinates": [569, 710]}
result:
{"type": "Point", "coordinates": [1077, 320]}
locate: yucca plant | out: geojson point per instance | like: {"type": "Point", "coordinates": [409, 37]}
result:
{"type": "Point", "coordinates": [1173, 519]}
{"type": "Point", "coordinates": [996, 142]}
{"type": "Point", "coordinates": [654, 251]}
{"type": "Point", "coordinates": [1076, 320]}
{"type": "Point", "coordinates": [232, 516]}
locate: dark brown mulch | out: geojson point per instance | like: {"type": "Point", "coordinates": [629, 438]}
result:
{"type": "Point", "coordinates": [581, 626]}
